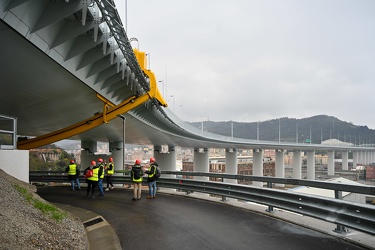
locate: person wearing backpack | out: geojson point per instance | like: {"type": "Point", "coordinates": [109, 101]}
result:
{"type": "Point", "coordinates": [136, 175]}
{"type": "Point", "coordinates": [152, 177]}
{"type": "Point", "coordinates": [92, 181]}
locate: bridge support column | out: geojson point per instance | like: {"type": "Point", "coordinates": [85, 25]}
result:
{"type": "Point", "coordinates": [355, 159]}
{"type": "Point", "coordinates": [231, 164]}
{"type": "Point", "coordinates": [311, 165]}
{"type": "Point", "coordinates": [116, 149]}
{"type": "Point", "coordinates": [297, 163]}
{"type": "Point", "coordinates": [166, 160]}
{"type": "Point", "coordinates": [87, 153]}
{"type": "Point", "coordinates": [344, 160]}
{"type": "Point", "coordinates": [361, 158]}
{"type": "Point", "coordinates": [331, 163]}
{"type": "Point", "coordinates": [368, 157]}
{"type": "Point", "coordinates": [201, 162]}
{"type": "Point", "coordinates": [258, 166]}
{"type": "Point", "coordinates": [279, 165]}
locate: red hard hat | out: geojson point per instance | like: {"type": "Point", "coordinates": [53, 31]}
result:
{"type": "Point", "coordinates": [100, 160]}
{"type": "Point", "coordinates": [152, 159]}
{"type": "Point", "coordinates": [111, 159]}
{"type": "Point", "coordinates": [93, 163]}
{"type": "Point", "coordinates": [71, 161]}
{"type": "Point", "coordinates": [137, 162]}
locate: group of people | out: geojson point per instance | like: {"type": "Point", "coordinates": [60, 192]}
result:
{"type": "Point", "coordinates": [103, 170]}
{"type": "Point", "coordinates": [99, 171]}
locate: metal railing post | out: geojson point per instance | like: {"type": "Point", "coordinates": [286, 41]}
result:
{"type": "Point", "coordinates": [270, 208]}
{"type": "Point", "coordinates": [339, 228]}
{"type": "Point", "coordinates": [223, 198]}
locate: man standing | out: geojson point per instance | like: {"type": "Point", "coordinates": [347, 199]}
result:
{"type": "Point", "coordinates": [151, 180]}
{"type": "Point", "coordinates": [110, 172]}
{"type": "Point", "coordinates": [92, 180]}
{"type": "Point", "coordinates": [101, 177]}
{"type": "Point", "coordinates": [73, 173]}
{"type": "Point", "coordinates": [136, 175]}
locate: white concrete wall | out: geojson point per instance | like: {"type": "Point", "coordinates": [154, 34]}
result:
{"type": "Point", "coordinates": [15, 163]}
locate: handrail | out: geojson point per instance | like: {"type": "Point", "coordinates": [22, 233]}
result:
{"type": "Point", "coordinates": [344, 213]}
{"type": "Point", "coordinates": [361, 189]}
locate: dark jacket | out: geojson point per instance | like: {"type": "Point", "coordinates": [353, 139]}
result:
{"type": "Point", "coordinates": [137, 173]}
{"type": "Point", "coordinates": [151, 172]}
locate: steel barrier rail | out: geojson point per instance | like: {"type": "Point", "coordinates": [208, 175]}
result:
{"type": "Point", "coordinates": [353, 215]}
{"type": "Point", "coordinates": [350, 214]}
{"type": "Point", "coordinates": [362, 189]}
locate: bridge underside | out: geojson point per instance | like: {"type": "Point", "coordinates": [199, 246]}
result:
{"type": "Point", "coordinates": [58, 55]}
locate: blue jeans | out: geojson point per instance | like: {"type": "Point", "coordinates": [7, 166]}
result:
{"type": "Point", "coordinates": [152, 188]}
{"type": "Point", "coordinates": [75, 181]}
{"type": "Point", "coordinates": [100, 185]}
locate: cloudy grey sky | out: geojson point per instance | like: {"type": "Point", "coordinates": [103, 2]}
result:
{"type": "Point", "coordinates": [255, 60]}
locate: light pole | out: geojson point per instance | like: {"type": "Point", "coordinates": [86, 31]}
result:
{"type": "Point", "coordinates": [279, 130]}
{"type": "Point", "coordinates": [172, 96]}
{"type": "Point", "coordinates": [162, 82]}
{"type": "Point", "coordinates": [297, 132]}
{"type": "Point", "coordinates": [182, 112]}
{"type": "Point", "coordinates": [123, 138]}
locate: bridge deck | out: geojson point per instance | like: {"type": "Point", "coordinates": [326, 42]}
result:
{"type": "Point", "coordinates": [175, 222]}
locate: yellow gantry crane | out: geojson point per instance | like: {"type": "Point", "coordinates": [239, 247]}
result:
{"type": "Point", "coordinates": [110, 112]}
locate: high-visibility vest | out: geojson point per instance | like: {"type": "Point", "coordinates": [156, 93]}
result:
{"type": "Point", "coordinates": [72, 169]}
{"type": "Point", "coordinates": [102, 175]}
{"type": "Point", "coordinates": [150, 169]}
{"type": "Point", "coordinates": [111, 169]}
{"type": "Point", "coordinates": [95, 176]}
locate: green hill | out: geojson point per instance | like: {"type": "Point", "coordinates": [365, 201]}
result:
{"type": "Point", "coordinates": [321, 127]}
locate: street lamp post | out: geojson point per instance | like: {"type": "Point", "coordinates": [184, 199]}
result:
{"type": "Point", "coordinates": [182, 112]}
{"type": "Point", "coordinates": [123, 138]}
{"type": "Point", "coordinates": [172, 96]}
{"type": "Point", "coordinates": [162, 82]}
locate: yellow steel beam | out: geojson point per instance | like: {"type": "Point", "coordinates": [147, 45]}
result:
{"type": "Point", "coordinates": [83, 126]}
{"type": "Point", "coordinates": [110, 112]}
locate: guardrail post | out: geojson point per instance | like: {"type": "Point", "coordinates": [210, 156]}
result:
{"type": "Point", "coordinates": [223, 198]}
{"type": "Point", "coordinates": [340, 228]}
{"type": "Point", "coordinates": [270, 208]}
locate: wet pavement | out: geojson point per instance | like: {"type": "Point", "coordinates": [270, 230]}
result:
{"type": "Point", "coordinates": [173, 221]}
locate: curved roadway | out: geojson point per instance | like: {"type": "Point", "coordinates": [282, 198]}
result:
{"type": "Point", "coordinates": [176, 222]}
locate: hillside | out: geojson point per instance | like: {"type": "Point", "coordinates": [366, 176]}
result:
{"type": "Point", "coordinates": [29, 222]}
{"type": "Point", "coordinates": [321, 127]}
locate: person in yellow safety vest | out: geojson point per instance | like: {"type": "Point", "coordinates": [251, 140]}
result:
{"type": "Point", "coordinates": [101, 176]}
{"type": "Point", "coordinates": [151, 180]}
{"type": "Point", "coordinates": [93, 180]}
{"type": "Point", "coordinates": [110, 172]}
{"type": "Point", "coordinates": [73, 173]}
{"type": "Point", "coordinates": [136, 176]}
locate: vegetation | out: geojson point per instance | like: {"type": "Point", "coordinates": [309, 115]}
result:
{"type": "Point", "coordinates": [39, 162]}
{"type": "Point", "coordinates": [321, 128]}
{"type": "Point", "coordinates": [45, 208]}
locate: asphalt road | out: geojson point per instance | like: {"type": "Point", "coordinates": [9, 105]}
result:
{"type": "Point", "coordinates": [177, 222]}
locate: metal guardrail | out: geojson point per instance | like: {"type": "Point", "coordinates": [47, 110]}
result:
{"type": "Point", "coordinates": [343, 213]}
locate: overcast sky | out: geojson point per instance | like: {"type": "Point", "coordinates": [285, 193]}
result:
{"type": "Point", "coordinates": [255, 60]}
